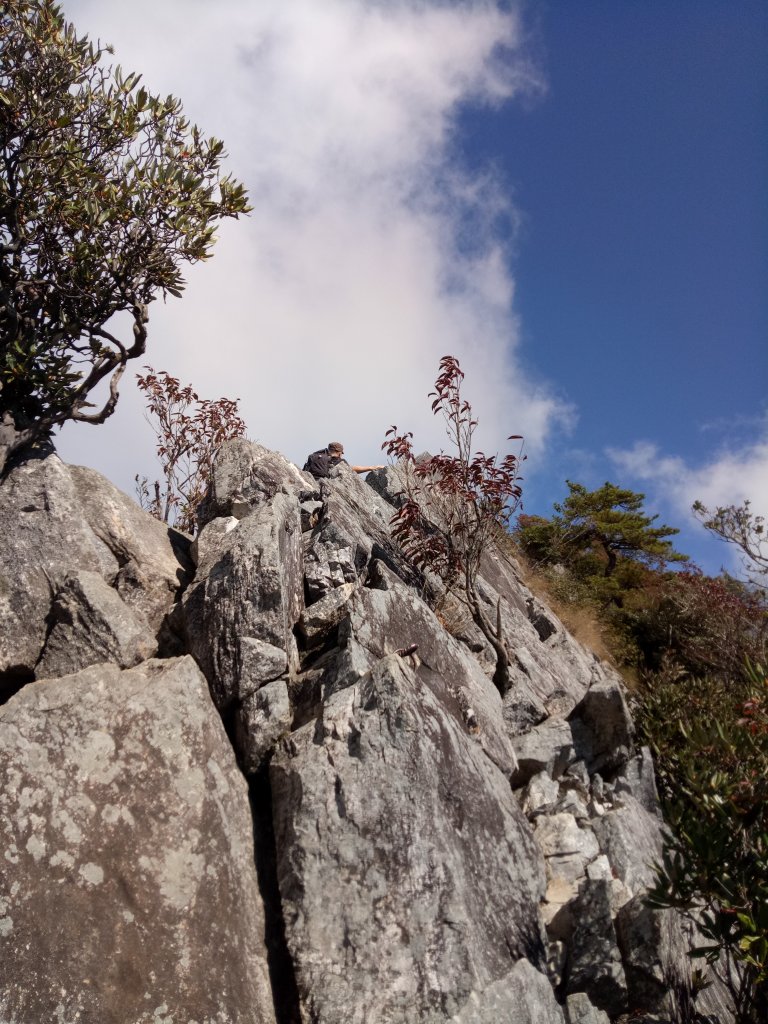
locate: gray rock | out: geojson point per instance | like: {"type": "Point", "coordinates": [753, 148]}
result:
{"type": "Point", "coordinates": [209, 538]}
{"type": "Point", "coordinates": [654, 945]}
{"type": "Point", "coordinates": [646, 938]}
{"type": "Point", "coordinates": [249, 587]}
{"type": "Point", "coordinates": [310, 513]}
{"type": "Point", "coordinates": [579, 1010]}
{"type": "Point", "coordinates": [557, 909]}
{"type": "Point", "coordinates": [573, 803]}
{"type": "Point", "coordinates": [388, 483]}
{"type": "Point", "coordinates": [407, 871]}
{"type": "Point", "coordinates": [523, 996]}
{"type": "Point", "coordinates": [152, 560]}
{"type": "Point", "coordinates": [600, 867]}
{"type": "Point", "coordinates": [602, 726]}
{"type": "Point", "coordinates": [545, 660]}
{"type": "Point", "coordinates": [541, 792]}
{"type": "Point", "coordinates": [594, 960]}
{"type": "Point", "coordinates": [412, 888]}
{"type": "Point", "coordinates": [632, 840]}
{"type": "Point", "coordinates": [547, 748]}
{"type": "Point", "coordinates": [522, 710]}
{"type": "Point", "coordinates": [60, 520]}
{"type": "Point", "coordinates": [558, 665]}
{"type": "Point", "coordinates": [129, 890]}
{"type": "Point", "coordinates": [91, 623]}
{"type": "Point", "coordinates": [263, 718]}
{"type": "Point", "coordinates": [638, 778]}
{"type": "Point", "coordinates": [323, 616]}
{"type": "Point", "coordinates": [542, 620]}
{"type": "Point", "coordinates": [355, 525]}
{"type": "Point", "coordinates": [328, 567]}
{"type": "Point", "coordinates": [567, 847]}
{"type": "Point", "coordinates": [381, 621]}
{"type": "Point", "coordinates": [577, 777]}
{"type": "Point", "coordinates": [246, 475]}
{"type": "Point", "coordinates": [260, 663]}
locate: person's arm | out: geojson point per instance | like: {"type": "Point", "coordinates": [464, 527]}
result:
{"type": "Point", "coordinates": [365, 469]}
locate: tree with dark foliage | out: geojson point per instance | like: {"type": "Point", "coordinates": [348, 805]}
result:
{"type": "Point", "coordinates": [105, 191]}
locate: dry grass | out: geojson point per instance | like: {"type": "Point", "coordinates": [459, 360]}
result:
{"type": "Point", "coordinates": [580, 619]}
{"type": "Point", "coordinates": [452, 615]}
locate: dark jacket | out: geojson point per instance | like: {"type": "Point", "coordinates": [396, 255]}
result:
{"type": "Point", "coordinates": [320, 463]}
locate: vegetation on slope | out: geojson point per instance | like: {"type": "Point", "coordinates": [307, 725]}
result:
{"type": "Point", "coordinates": [693, 648]}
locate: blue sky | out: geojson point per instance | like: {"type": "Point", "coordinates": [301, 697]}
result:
{"type": "Point", "coordinates": [641, 260]}
{"type": "Point", "coordinates": [568, 196]}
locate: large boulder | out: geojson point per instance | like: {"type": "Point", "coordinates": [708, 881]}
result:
{"type": "Point", "coordinates": [246, 598]}
{"type": "Point", "coordinates": [246, 475]}
{"type": "Point", "coordinates": [602, 726]}
{"type": "Point", "coordinates": [409, 878]}
{"type": "Point", "coordinates": [128, 890]}
{"type": "Point", "coordinates": [90, 623]}
{"type": "Point", "coordinates": [632, 839]}
{"type": "Point", "coordinates": [60, 521]}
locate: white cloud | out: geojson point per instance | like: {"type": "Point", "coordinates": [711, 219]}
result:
{"type": "Point", "coordinates": [326, 312]}
{"type": "Point", "coordinates": [728, 478]}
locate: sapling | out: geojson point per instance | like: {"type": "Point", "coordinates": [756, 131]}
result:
{"type": "Point", "coordinates": [189, 431]}
{"type": "Point", "coordinates": [452, 505]}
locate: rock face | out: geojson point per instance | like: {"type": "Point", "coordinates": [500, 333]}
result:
{"type": "Point", "coordinates": [435, 879]}
{"type": "Point", "coordinates": [389, 842]}
{"type": "Point", "coordinates": [247, 596]}
{"type": "Point", "coordinates": [128, 889]}
{"type": "Point", "coordinates": [83, 567]}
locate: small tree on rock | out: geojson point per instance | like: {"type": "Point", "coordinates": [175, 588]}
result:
{"type": "Point", "coordinates": [105, 192]}
{"type": "Point", "coordinates": [190, 430]}
{"type": "Point", "coordinates": [454, 504]}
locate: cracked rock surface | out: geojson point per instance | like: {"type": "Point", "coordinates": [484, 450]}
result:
{"type": "Point", "coordinates": [60, 522]}
{"type": "Point", "coordinates": [436, 879]}
{"type": "Point", "coordinates": [128, 879]}
{"type": "Point", "coordinates": [323, 811]}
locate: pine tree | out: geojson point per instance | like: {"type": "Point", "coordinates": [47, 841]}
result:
{"type": "Point", "coordinates": [602, 528]}
{"type": "Point", "coordinates": [610, 521]}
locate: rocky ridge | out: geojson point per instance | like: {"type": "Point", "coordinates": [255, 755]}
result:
{"type": "Point", "coordinates": [227, 798]}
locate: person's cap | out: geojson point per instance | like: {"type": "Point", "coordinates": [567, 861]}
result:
{"type": "Point", "coordinates": [336, 446]}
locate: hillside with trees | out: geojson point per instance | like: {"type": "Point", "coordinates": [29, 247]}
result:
{"type": "Point", "coordinates": [693, 648]}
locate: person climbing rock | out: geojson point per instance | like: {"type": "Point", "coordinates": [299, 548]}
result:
{"type": "Point", "coordinates": [320, 463]}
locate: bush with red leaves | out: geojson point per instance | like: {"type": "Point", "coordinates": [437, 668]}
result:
{"type": "Point", "coordinates": [706, 625]}
{"type": "Point", "coordinates": [452, 505]}
{"type": "Point", "coordinates": [189, 432]}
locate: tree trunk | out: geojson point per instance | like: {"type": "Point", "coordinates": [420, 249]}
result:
{"type": "Point", "coordinates": [14, 441]}
{"type": "Point", "coordinates": [611, 564]}
{"type": "Point", "coordinates": [11, 440]}
{"type": "Point", "coordinates": [501, 673]}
